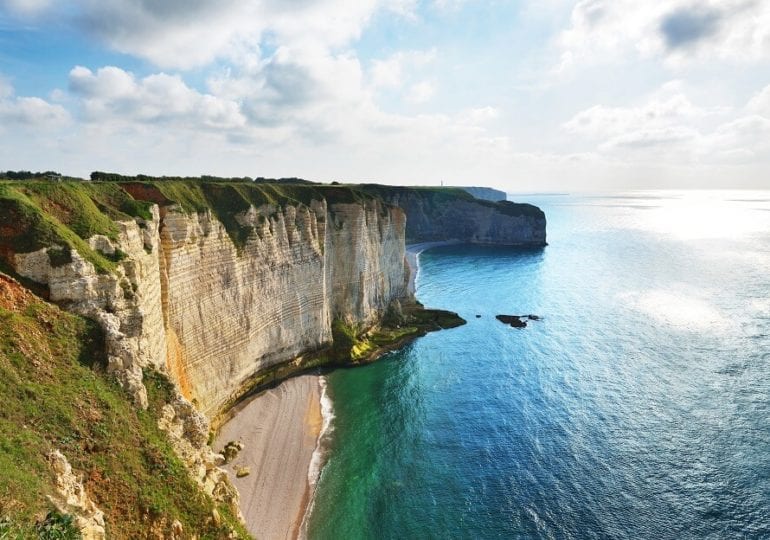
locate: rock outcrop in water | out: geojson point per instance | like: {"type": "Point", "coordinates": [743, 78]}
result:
{"type": "Point", "coordinates": [516, 321]}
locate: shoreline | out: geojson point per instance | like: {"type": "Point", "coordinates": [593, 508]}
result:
{"type": "Point", "coordinates": [282, 430]}
{"type": "Point", "coordinates": [318, 459]}
{"type": "Point", "coordinates": [413, 259]}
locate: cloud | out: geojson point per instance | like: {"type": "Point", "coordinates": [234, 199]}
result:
{"type": "Point", "coordinates": [666, 107]}
{"type": "Point", "coordinates": [686, 27]}
{"type": "Point", "coordinates": [29, 113]}
{"type": "Point", "coordinates": [188, 34]}
{"type": "Point", "coordinates": [32, 112]}
{"type": "Point", "coordinates": [665, 139]}
{"type": "Point", "coordinates": [6, 89]}
{"type": "Point", "coordinates": [760, 102]}
{"type": "Point", "coordinates": [669, 124]}
{"type": "Point", "coordinates": [479, 115]}
{"type": "Point", "coordinates": [25, 7]}
{"type": "Point", "coordinates": [678, 31]}
{"type": "Point", "coordinates": [392, 72]}
{"type": "Point", "coordinates": [421, 92]}
{"type": "Point", "coordinates": [114, 94]}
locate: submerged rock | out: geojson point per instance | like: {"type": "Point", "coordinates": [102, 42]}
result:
{"type": "Point", "coordinates": [517, 321]}
{"type": "Point", "coordinates": [514, 321]}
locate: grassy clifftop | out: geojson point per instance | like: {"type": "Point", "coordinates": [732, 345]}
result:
{"type": "Point", "coordinates": [36, 214]}
{"type": "Point", "coordinates": [57, 396]}
{"type": "Point", "coordinates": [41, 213]}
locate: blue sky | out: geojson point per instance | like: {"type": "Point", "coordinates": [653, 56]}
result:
{"type": "Point", "coordinates": [532, 95]}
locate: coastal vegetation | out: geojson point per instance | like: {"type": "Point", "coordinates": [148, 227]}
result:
{"type": "Point", "coordinates": [57, 396]}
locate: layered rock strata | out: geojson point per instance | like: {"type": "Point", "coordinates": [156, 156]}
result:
{"type": "Point", "coordinates": [230, 314]}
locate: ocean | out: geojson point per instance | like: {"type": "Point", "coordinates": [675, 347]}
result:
{"type": "Point", "coordinates": [637, 407]}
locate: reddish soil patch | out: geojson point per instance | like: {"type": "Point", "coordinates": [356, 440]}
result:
{"type": "Point", "coordinates": [144, 192]}
{"type": "Point", "coordinates": [13, 296]}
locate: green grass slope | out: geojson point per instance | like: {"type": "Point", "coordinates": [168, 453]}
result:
{"type": "Point", "coordinates": [56, 395]}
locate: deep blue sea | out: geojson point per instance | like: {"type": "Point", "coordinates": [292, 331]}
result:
{"type": "Point", "coordinates": [638, 407]}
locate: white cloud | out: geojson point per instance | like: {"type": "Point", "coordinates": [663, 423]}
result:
{"type": "Point", "coordinates": [187, 34]}
{"type": "Point", "coordinates": [747, 135]}
{"type": "Point", "coordinates": [26, 7]}
{"type": "Point", "coordinates": [665, 108]}
{"type": "Point", "coordinates": [29, 112]}
{"type": "Point", "coordinates": [760, 103]}
{"type": "Point", "coordinates": [6, 89]}
{"type": "Point", "coordinates": [420, 92]}
{"type": "Point", "coordinates": [32, 112]}
{"type": "Point", "coordinates": [114, 94]}
{"type": "Point", "coordinates": [679, 31]}
{"type": "Point", "coordinates": [669, 124]}
{"type": "Point", "coordinates": [449, 5]}
{"type": "Point", "coordinates": [391, 72]}
{"type": "Point", "coordinates": [479, 115]}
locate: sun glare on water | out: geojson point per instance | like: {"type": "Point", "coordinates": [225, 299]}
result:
{"type": "Point", "coordinates": [698, 215]}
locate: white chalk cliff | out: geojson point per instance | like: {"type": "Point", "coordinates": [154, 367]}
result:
{"type": "Point", "coordinates": [188, 301]}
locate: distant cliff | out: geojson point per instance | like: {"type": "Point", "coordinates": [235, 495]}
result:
{"type": "Point", "coordinates": [486, 193]}
{"type": "Point", "coordinates": [453, 214]}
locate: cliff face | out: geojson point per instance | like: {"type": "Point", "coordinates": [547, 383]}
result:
{"type": "Point", "coordinates": [215, 282]}
{"type": "Point", "coordinates": [126, 303]}
{"type": "Point", "coordinates": [453, 214]}
{"type": "Point", "coordinates": [186, 299]}
{"type": "Point", "coordinates": [230, 314]}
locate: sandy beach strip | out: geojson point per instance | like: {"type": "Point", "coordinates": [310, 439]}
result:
{"type": "Point", "coordinates": [413, 252]}
{"type": "Point", "coordinates": [280, 430]}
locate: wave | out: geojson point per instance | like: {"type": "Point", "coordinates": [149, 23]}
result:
{"type": "Point", "coordinates": [318, 460]}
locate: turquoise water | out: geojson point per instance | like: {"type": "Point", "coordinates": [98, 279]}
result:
{"type": "Point", "coordinates": [639, 407]}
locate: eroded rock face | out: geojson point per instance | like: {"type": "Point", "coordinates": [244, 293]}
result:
{"type": "Point", "coordinates": [126, 304]}
{"type": "Point", "coordinates": [230, 314]}
{"type": "Point", "coordinates": [72, 498]}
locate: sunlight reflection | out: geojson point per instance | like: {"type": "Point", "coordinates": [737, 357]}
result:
{"type": "Point", "coordinates": [677, 310]}
{"type": "Point", "coordinates": [691, 215]}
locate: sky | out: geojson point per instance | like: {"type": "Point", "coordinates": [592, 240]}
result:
{"type": "Point", "coordinates": [526, 96]}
